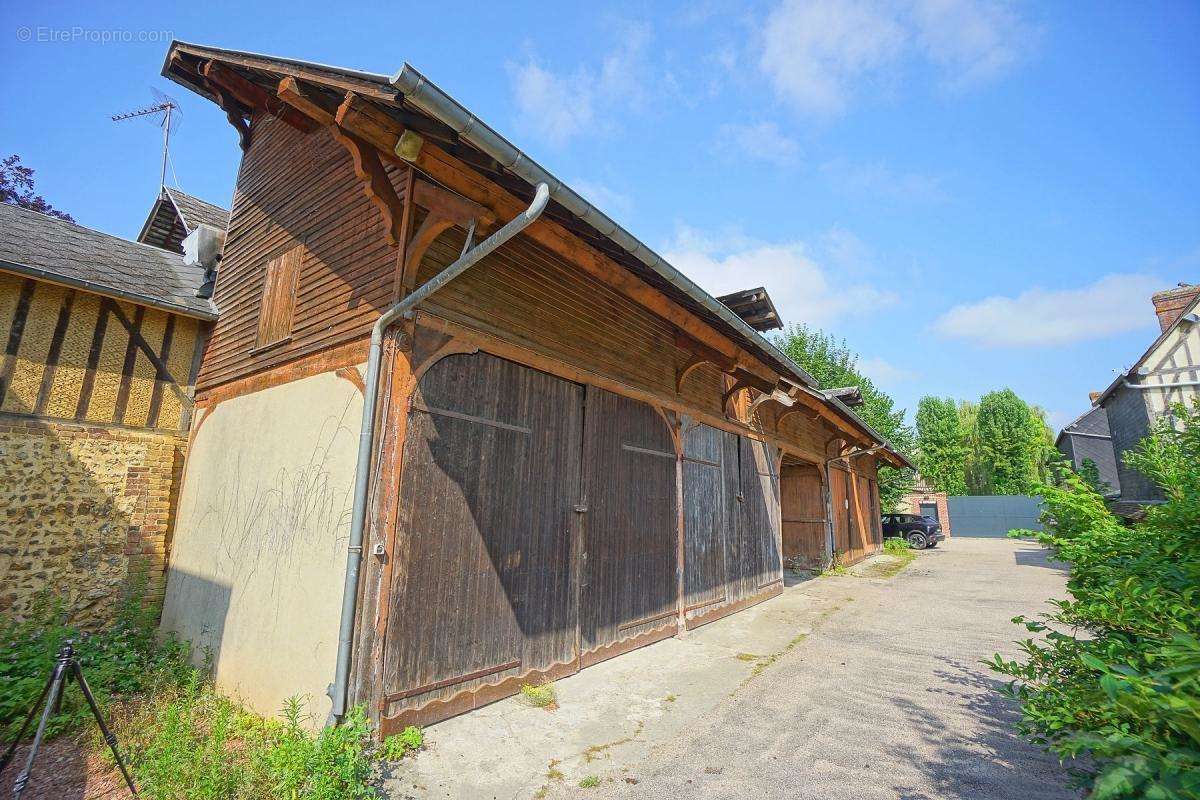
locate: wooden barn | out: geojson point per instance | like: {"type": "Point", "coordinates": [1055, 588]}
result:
{"type": "Point", "coordinates": [564, 449]}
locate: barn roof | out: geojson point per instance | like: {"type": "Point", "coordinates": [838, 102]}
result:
{"type": "Point", "coordinates": [176, 214]}
{"type": "Point", "coordinates": [414, 101]}
{"type": "Point", "coordinates": [51, 249]}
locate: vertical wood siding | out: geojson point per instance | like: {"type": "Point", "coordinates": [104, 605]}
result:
{"type": "Point", "coordinates": [802, 506]}
{"type": "Point", "coordinates": [629, 582]}
{"type": "Point", "coordinates": [490, 481]}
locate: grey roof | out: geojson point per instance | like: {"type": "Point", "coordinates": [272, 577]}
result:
{"type": "Point", "coordinates": [176, 214]}
{"type": "Point", "coordinates": [1093, 422]}
{"type": "Point", "coordinates": [51, 249]}
{"type": "Point", "coordinates": [195, 212]}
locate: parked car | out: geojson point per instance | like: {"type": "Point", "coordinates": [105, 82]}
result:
{"type": "Point", "coordinates": [921, 532]}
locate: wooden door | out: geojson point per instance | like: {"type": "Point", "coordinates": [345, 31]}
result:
{"type": "Point", "coordinates": [758, 563]}
{"type": "Point", "coordinates": [802, 506]}
{"type": "Point", "coordinates": [483, 589]}
{"type": "Point", "coordinates": [710, 489]}
{"type": "Point", "coordinates": [628, 583]}
{"type": "Point", "coordinates": [843, 536]}
{"type": "Point", "coordinates": [864, 511]}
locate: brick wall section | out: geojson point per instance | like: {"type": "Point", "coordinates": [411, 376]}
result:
{"type": "Point", "coordinates": [82, 510]}
{"type": "Point", "coordinates": [911, 504]}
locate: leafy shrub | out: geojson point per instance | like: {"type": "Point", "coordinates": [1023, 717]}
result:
{"type": "Point", "coordinates": [1115, 671]}
{"type": "Point", "coordinates": [397, 746]}
{"type": "Point", "coordinates": [123, 660]}
{"type": "Point", "coordinates": [896, 545]}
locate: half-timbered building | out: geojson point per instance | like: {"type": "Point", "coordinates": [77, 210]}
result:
{"type": "Point", "coordinates": [570, 449]}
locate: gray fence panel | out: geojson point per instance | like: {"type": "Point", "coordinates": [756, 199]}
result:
{"type": "Point", "coordinates": [994, 516]}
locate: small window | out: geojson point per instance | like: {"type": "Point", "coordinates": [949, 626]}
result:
{"type": "Point", "coordinates": [279, 297]}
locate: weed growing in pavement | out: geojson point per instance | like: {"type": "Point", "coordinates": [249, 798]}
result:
{"type": "Point", "coordinates": [398, 745]}
{"type": "Point", "coordinates": [590, 782]}
{"type": "Point", "coordinates": [540, 695]}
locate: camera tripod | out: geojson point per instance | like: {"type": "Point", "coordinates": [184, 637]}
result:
{"type": "Point", "coordinates": [66, 667]}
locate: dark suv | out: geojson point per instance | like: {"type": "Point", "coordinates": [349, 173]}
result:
{"type": "Point", "coordinates": [921, 532]}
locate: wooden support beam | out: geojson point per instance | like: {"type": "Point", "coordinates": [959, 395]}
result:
{"type": "Point", "coordinates": [377, 186]}
{"type": "Point", "coordinates": [235, 114]}
{"type": "Point", "coordinates": [375, 126]}
{"type": "Point", "coordinates": [255, 97]}
{"type": "Point", "coordinates": [294, 95]}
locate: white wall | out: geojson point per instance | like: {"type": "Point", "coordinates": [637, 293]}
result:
{"type": "Point", "coordinates": [259, 553]}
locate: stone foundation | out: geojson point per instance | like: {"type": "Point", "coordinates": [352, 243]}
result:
{"type": "Point", "coordinates": [83, 509]}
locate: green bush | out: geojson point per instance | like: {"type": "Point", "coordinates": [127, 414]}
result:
{"type": "Point", "coordinates": [1114, 673]}
{"type": "Point", "coordinates": [896, 545]}
{"type": "Point", "coordinates": [123, 660]}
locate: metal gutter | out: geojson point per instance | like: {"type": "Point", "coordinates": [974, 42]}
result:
{"type": "Point", "coordinates": [105, 291]}
{"type": "Point", "coordinates": [426, 96]}
{"type": "Point", "coordinates": [366, 436]}
{"type": "Point", "coordinates": [1171, 385]}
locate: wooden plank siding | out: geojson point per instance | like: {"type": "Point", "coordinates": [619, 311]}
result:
{"type": "Point", "coordinates": [802, 504]}
{"type": "Point", "coordinates": [297, 190]}
{"type": "Point", "coordinates": [541, 464]}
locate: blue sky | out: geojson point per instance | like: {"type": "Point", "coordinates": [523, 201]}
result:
{"type": "Point", "coordinates": [974, 194]}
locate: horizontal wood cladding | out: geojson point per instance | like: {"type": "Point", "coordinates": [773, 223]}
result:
{"type": "Point", "coordinates": [297, 194]}
{"type": "Point", "coordinates": [537, 299]}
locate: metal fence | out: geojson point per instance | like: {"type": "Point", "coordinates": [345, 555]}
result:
{"type": "Point", "coordinates": [994, 516]}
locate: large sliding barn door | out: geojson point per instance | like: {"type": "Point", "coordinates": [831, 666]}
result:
{"type": "Point", "coordinates": [710, 487]}
{"type": "Point", "coordinates": [758, 562]}
{"type": "Point", "coordinates": [844, 538]}
{"type": "Point", "coordinates": [484, 555]}
{"type": "Point", "coordinates": [802, 504]}
{"type": "Point", "coordinates": [731, 519]}
{"type": "Point", "coordinates": [629, 584]}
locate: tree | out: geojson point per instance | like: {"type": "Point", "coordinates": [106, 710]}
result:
{"type": "Point", "coordinates": [975, 473]}
{"type": "Point", "coordinates": [16, 189]}
{"type": "Point", "coordinates": [1043, 451]}
{"type": "Point", "coordinates": [1009, 447]}
{"type": "Point", "coordinates": [833, 365]}
{"type": "Point", "coordinates": [941, 446]}
{"type": "Point", "coordinates": [1091, 476]}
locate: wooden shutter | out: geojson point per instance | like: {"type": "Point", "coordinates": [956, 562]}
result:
{"type": "Point", "coordinates": [279, 297]}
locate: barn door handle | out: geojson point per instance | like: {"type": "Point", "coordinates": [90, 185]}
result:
{"type": "Point", "coordinates": [741, 498]}
{"type": "Point", "coordinates": [581, 508]}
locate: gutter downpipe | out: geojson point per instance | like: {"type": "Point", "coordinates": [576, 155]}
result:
{"type": "Point", "coordinates": [1145, 387]}
{"type": "Point", "coordinates": [403, 309]}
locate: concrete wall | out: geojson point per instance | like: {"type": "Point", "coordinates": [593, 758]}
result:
{"type": "Point", "coordinates": [82, 509]}
{"type": "Point", "coordinates": [256, 571]}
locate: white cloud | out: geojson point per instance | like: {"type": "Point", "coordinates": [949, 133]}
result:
{"type": "Point", "coordinates": [802, 289]}
{"type": "Point", "coordinates": [1040, 317]}
{"type": "Point", "coordinates": [557, 106]}
{"type": "Point", "coordinates": [616, 204]}
{"type": "Point", "coordinates": [763, 141]}
{"type": "Point", "coordinates": [974, 40]}
{"type": "Point", "coordinates": [878, 180]}
{"type": "Point", "coordinates": [816, 52]}
{"type": "Point", "coordinates": [884, 373]}
{"type": "Point", "coordinates": [552, 106]}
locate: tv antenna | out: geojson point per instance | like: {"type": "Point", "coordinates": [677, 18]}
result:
{"type": "Point", "coordinates": [160, 113]}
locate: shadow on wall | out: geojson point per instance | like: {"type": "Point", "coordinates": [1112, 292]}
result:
{"type": "Point", "coordinates": [68, 519]}
{"type": "Point", "coordinates": [994, 763]}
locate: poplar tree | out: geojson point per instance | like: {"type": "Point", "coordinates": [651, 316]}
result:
{"type": "Point", "coordinates": [941, 445]}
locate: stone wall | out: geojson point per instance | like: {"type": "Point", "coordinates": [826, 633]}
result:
{"type": "Point", "coordinates": [83, 509]}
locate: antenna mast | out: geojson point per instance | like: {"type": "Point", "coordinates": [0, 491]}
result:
{"type": "Point", "coordinates": [165, 108]}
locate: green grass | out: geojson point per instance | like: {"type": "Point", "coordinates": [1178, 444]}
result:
{"type": "Point", "coordinates": [590, 782]}
{"type": "Point", "coordinates": [180, 737]}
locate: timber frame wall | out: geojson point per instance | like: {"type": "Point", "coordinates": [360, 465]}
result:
{"type": "Point", "coordinates": [320, 185]}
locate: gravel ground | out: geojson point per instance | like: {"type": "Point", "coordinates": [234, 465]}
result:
{"type": "Point", "coordinates": [886, 699]}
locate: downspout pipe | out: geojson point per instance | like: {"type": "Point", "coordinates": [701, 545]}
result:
{"type": "Point", "coordinates": [338, 690]}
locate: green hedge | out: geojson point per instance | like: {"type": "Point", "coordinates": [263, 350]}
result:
{"type": "Point", "coordinates": [1113, 673]}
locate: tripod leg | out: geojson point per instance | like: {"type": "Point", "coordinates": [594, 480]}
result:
{"type": "Point", "coordinates": [56, 687]}
{"type": "Point", "coordinates": [109, 738]}
{"type": "Point", "coordinates": [12, 748]}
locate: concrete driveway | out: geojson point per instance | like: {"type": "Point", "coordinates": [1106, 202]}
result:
{"type": "Point", "coordinates": [844, 687]}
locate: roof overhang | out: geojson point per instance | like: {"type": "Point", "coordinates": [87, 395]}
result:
{"type": "Point", "coordinates": [1184, 318]}
{"type": "Point", "coordinates": [413, 102]}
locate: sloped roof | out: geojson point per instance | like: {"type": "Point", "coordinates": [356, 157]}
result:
{"type": "Point", "coordinates": [418, 103]}
{"type": "Point", "coordinates": [1093, 422]}
{"type": "Point", "coordinates": [1179, 321]}
{"type": "Point", "coordinates": [176, 214]}
{"type": "Point", "coordinates": [51, 249]}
